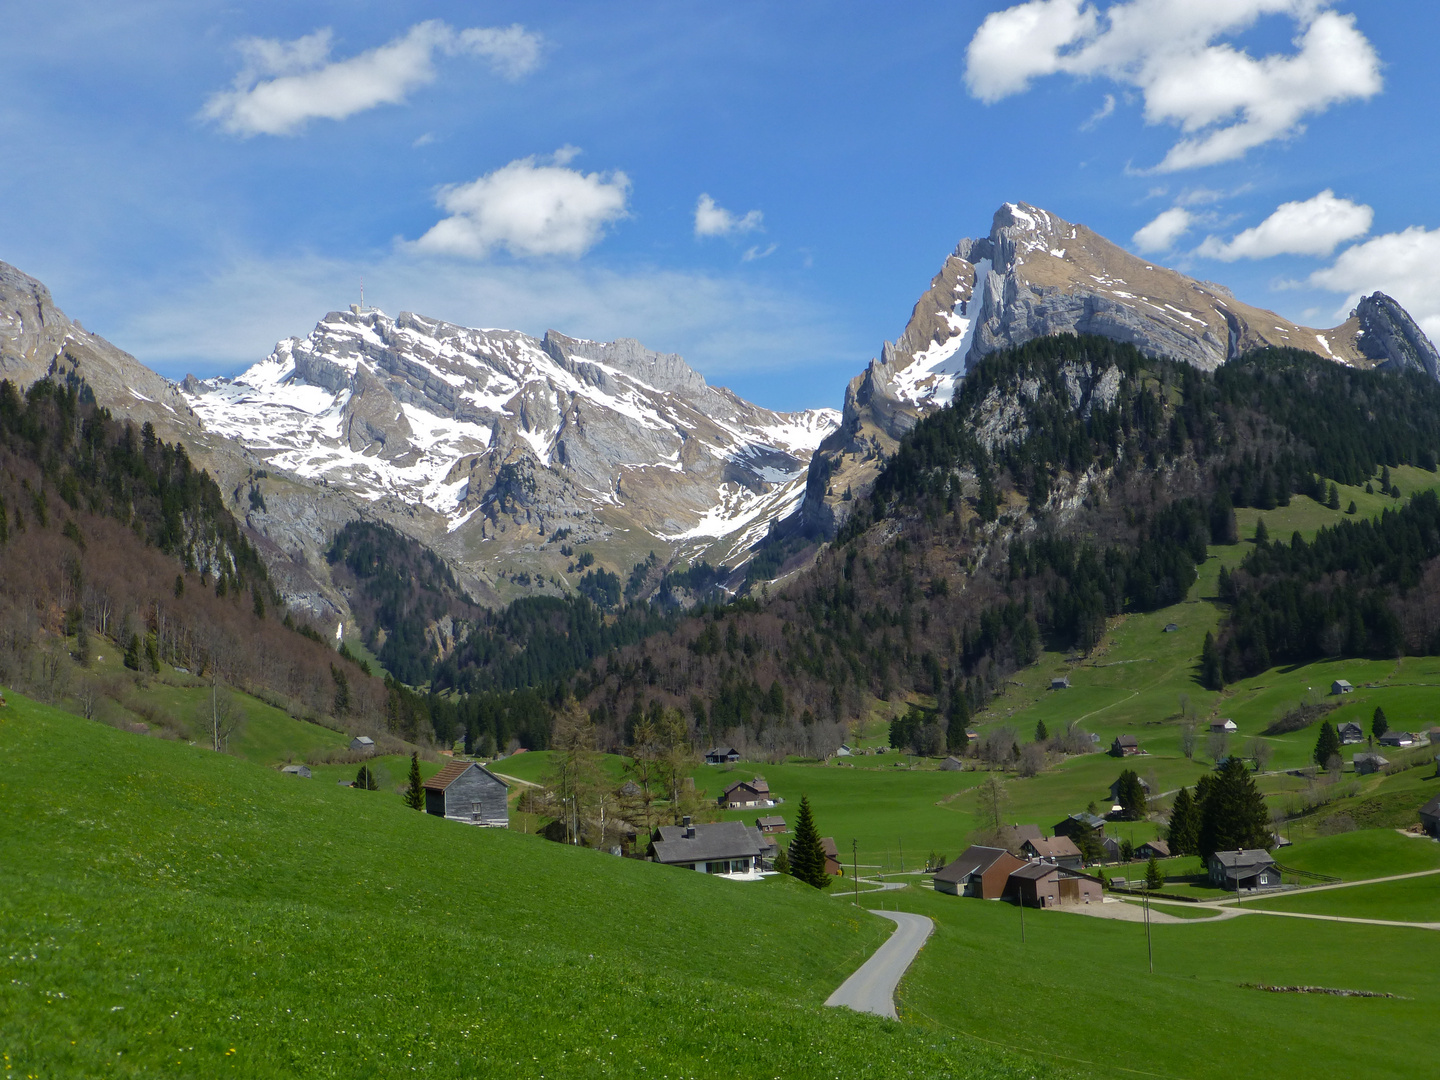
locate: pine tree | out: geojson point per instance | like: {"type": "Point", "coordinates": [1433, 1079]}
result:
{"type": "Point", "coordinates": [807, 855]}
{"type": "Point", "coordinates": [1130, 795]}
{"type": "Point", "coordinates": [132, 653]}
{"type": "Point", "coordinates": [1378, 724]}
{"type": "Point", "coordinates": [1233, 814]}
{"type": "Point", "coordinates": [1041, 734]}
{"type": "Point", "coordinates": [1184, 824]}
{"type": "Point", "coordinates": [1212, 675]}
{"type": "Point", "coordinates": [365, 779]}
{"type": "Point", "coordinates": [415, 794]}
{"type": "Point", "coordinates": [1262, 534]}
{"type": "Point", "coordinates": [1327, 745]}
{"type": "Point", "coordinates": [1153, 878]}
{"type": "Point", "coordinates": [1333, 499]}
{"type": "Point", "coordinates": [782, 862]}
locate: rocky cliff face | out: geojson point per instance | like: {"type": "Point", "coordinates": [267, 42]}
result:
{"type": "Point", "coordinates": [1037, 274]}
{"type": "Point", "coordinates": [500, 449]}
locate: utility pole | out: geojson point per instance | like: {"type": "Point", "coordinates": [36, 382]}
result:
{"type": "Point", "coordinates": [855, 868]}
{"type": "Point", "coordinates": [902, 856]}
{"type": "Point", "coordinates": [1020, 895]}
{"type": "Point", "coordinates": [1149, 948]}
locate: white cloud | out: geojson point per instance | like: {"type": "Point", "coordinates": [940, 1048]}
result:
{"type": "Point", "coordinates": [1224, 101]}
{"type": "Point", "coordinates": [713, 220]}
{"type": "Point", "coordinates": [1313, 227]}
{"type": "Point", "coordinates": [1161, 234]}
{"type": "Point", "coordinates": [1406, 265]}
{"type": "Point", "coordinates": [1107, 107]}
{"type": "Point", "coordinates": [529, 209]}
{"type": "Point", "coordinates": [757, 252]}
{"type": "Point", "coordinates": [283, 84]}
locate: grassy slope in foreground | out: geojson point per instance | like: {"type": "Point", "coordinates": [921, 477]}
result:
{"type": "Point", "coordinates": [166, 910]}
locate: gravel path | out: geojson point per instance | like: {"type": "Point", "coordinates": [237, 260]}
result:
{"type": "Point", "coordinates": [872, 988]}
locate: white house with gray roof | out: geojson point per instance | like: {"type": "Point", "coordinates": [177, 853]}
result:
{"type": "Point", "coordinates": [726, 847]}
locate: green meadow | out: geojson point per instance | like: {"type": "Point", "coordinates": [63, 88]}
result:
{"type": "Point", "coordinates": [166, 910]}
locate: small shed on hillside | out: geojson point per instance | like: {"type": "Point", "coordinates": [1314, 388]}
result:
{"type": "Point", "coordinates": [952, 764]}
{"type": "Point", "coordinates": [1341, 686]}
{"type": "Point", "coordinates": [1170, 628]}
{"type": "Point", "coordinates": [1430, 817]}
{"type": "Point", "coordinates": [297, 770]}
{"type": "Point", "coordinates": [1350, 733]}
{"type": "Point", "coordinates": [1062, 683]}
{"type": "Point", "coordinates": [978, 871]}
{"type": "Point", "coordinates": [465, 791]}
{"type": "Point", "coordinates": [363, 743]}
{"type": "Point", "coordinates": [1040, 884]}
{"type": "Point", "coordinates": [1223, 726]}
{"type": "Point", "coordinates": [1365, 764]}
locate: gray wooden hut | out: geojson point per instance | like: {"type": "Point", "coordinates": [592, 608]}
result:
{"type": "Point", "coordinates": [363, 743]}
{"type": "Point", "coordinates": [297, 770]}
{"type": "Point", "coordinates": [465, 791]}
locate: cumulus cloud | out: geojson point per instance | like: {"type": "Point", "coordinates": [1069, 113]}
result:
{"type": "Point", "coordinates": [284, 84]}
{"type": "Point", "coordinates": [1406, 265]}
{"type": "Point", "coordinates": [1161, 234]}
{"type": "Point", "coordinates": [714, 220]}
{"type": "Point", "coordinates": [1223, 100]}
{"type": "Point", "coordinates": [1314, 227]}
{"type": "Point", "coordinates": [529, 209]}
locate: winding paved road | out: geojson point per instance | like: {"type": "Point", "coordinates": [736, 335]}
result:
{"type": "Point", "coordinates": [872, 988]}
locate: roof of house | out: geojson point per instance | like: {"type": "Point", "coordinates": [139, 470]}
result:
{"type": "Point", "coordinates": [1341, 682]}
{"type": "Point", "coordinates": [722, 840]}
{"type": "Point", "coordinates": [1223, 724]}
{"type": "Point", "coordinates": [1350, 725]}
{"type": "Point", "coordinates": [364, 740]}
{"type": "Point", "coordinates": [1034, 871]}
{"type": "Point", "coordinates": [1127, 740]}
{"type": "Point", "coordinates": [1027, 832]}
{"type": "Point", "coordinates": [770, 822]}
{"type": "Point", "coordinates": [1374, 758]}
{"type": "Point", "coordinates": [758, 785]}
{"type": "Point", "coordinates": [1087, 818]}
{"type": "Point", "coordinates": [828, 843]}
{"type": "Point", "coordinates": [975, 859]}
{"type": "Point", "coordinates": [1243, 863]}
{"type": "Point", "coordinates": [453, 771]}
{"type": "Point", "coordinates": [722, 751]}
{"type": "Point", "coordinates": [1396, 738]}
{"type": "Point", "coordinates": [1431, 808]}
{"type": "Point", "coordinates": [1062, 847]}
{"type": "Point", "coordinates": [1160, 847]}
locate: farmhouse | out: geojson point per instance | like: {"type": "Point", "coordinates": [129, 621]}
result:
{"type": "Point", "coordinates": [1430, 817]}
{"type": "Point", "coordinates": [770, 824]}
{"type": "Point", "coordinates": [721, 755]}
{"type": "Point", "coordinates": [1350, 732]}
{"type": "Point", "coordinates": [1062, 683]}
{"type": "Point", "coordinates": [1039, 884]}
{"type": "Point", "coordinates": [1365, 764]}
{"type": "Point", "coordinates": [1076, 824]}
{"type": "Point", "coordinates": [1115, 790]}
{"type": "Point", "coordinates": [1244, 869]}
{"type": "Point", "coordinates": [1060, 851]}
{"type": "Point", "coordinates": [832, 857]}
{"type": "Point", "coordinates": [297, 770]}
{"type": "Point", "coordinates": [978, 871]}
{"type": "Point", "coordinates": [746, 793]}
{"type": "Point", "coordinates": [1341, 686]}
{"type": "Point", "coordinates": [951, 764]}
{"type": "Point", "coordinates": [1125, 746]}
{"type": "Point", "coordinates": [1223, 726]}
{"type": "Point", "coordinates": [726, 847]}
{"type": "Point", "coordinates": [465, 791]}
{"type": "Point", "coordinates": [1153, 849]}
{"type": "Point", "coordinates": [1397, 738]}
{"type": "Point", "coordinates": [363, 743]}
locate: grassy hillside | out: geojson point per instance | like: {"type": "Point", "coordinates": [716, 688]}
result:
{"type": "Point", "coordinates": [168, 910]}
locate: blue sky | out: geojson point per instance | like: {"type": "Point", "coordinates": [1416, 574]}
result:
{"type": "Point", "coordinates": [763, 188]}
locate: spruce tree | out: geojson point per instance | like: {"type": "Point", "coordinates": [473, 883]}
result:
{"type": "Point", "coordinates": [132, 653]}
{"type": "Point", "coordinates": [782, 862]}
{"type": "Point", "coordinates": [1184, 824]}
{"type": "Point", "coordinates": [1327, 745]}
{"type": "Point", "coordinates": [1212, 675]}
{"type": "Point", "coordinates": [1333, 500]}
{"type": "Point", "coordinates": [1233, 814]}
{"type": "Point", "coordinates": [415, 794]}
{"type": "Point", "coordinates": [1041, 734]}
{"type": "Point", "coordinates": [1153, 878]}
{"type": "Point", "coordinates": [1378, 724]}
{"type": "Point", "coordinates": [1130, 795]}
{"type": "Point", "coordinates": [1262, 534]}
{"type": "Point", "coordinates": [365, 779]}
{"type": "Point", "coordinates": [807, 856]}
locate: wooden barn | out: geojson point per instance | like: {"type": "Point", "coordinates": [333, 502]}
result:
{"type": "Point", "coordinates": [465, 791]}
{"type": "Point", "coordinates": [1041, 884]}
{"type": "Point", "coordinates": [979, 871]}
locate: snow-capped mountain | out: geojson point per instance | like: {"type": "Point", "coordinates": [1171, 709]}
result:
{"type": "Point", "coordinates": [492, 441]}
{"type": "Point", "coordinates": [1037, 274]}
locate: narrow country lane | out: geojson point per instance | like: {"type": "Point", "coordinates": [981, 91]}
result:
{"type": "Point", "coordinates": [872, 988]}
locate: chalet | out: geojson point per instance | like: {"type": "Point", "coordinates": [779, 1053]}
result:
{"type": "Point", "coordinates": [769, 825]}
{"type": "Point", "coordinates": [465, 791]}
{"type": "Point", "coordinates": [721, 755]}
{"type": "Point", "coordinates": [297, 770]}
{"type": "Point", "coordinates": [1115, 790]}
{"type": "Point", "coordinates": [747, 793]}
{"type": "Point", "coordinates": [951, 764]}
{"type": "Point", "coordinates": [1430, 817]}
{"type": "Point", "coordinates": [363, 743]}
{"type": "Point", "coordinates": [1061, 851]}
{"type": "Point", "coordinates": [1062, 683]}
{"type": "Point", "coordinates": [1397, 739]}
{"type": "Point", "coordinates": [832, 857]}
{"type": "Point", "coordinates": [1341, 686]}
{"type": "Point", "coordinates": [978, 871]}
{"type": "Point", "coordinates": [1244, 869]}
{"type": "Point", "coordinates": [1076, 824]}
{"type": "Point", "coordinates": [1350, 733]}
{"type": "Point", "coordinates": [1125, 746]}
{"type": "Point", "coordinates": [1365, 764]}
{"type": "Point", "coordinates": [1157, 849]}
{"type": "Point", "coordinates": [1223, 727]}
{"type": "Point", "coordinates": [726, 847]}
{"type": "Point", "coordinates": [1040, 884]}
